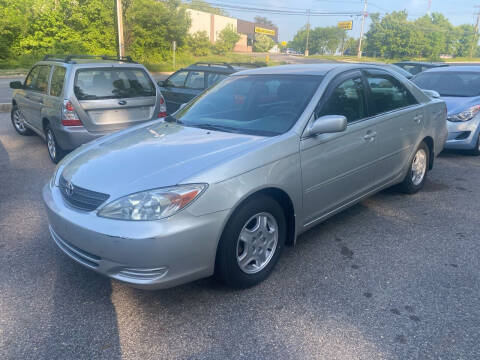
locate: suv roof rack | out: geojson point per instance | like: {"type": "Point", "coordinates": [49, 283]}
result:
{"type": "Point", "coordinates": [256, 64]}
{"type": "Point", "coordinates": [213, 64]}
{"type": "Point", "coordinates": [69, 58]}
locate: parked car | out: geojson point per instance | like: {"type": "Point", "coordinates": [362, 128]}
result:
{"type": "Point", "coordinates": [459, 87]}
{"type": "Point", "coordinates": [395, 68]}
{"type": "Point", "coordinates": [416, 67]}
{"type": "Point", "coordinates": [71, 100]}
{"type": "Point", "coordinates": [240, 172]}
{"type": "Point", "coordinates": [183, 85]}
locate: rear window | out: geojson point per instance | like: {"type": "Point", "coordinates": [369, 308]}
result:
{"type": "Point", "coordinates": [93, 84]}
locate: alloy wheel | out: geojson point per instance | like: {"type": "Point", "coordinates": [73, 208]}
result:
{"type": "Point", "coordinates": [52, 149]}
{"type": "Point", "coordinates": [257, 243]}
{"type": "Point", "coordinates": [18, 121]}
{"type": "Point", "coordinates": [419, 167]}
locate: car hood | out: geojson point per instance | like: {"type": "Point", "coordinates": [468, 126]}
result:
{"type": "Point", "coordinates": [459, 104]}
{"type": "Point", "coordinates": [158, 155]}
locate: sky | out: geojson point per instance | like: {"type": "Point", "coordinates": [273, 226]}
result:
{"type": "Point", "coordinates": [457, 11]}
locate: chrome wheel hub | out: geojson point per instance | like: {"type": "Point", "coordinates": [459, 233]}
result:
{"type": "Point", "coordinates": [51, 144]}
{"type": "Point", "coordinates": [419, 167]}
{"type": "Point", "coordinates": [257, 243]}
{"type": "Point", "coordinates": [18, 121]}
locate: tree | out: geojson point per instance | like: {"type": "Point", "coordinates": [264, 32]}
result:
{"type": "Point", "coordinates": [199, 43]}
{"type": "Point", "coordinates": [152, 26]}
{"type": "Point", "coordinates": [322, 40]}
{"type": "Point", "coordinates": [263, 21]}
{"type": "Point", "coordinates": [206, 7]}
{"type": "Point", "coordinates": [226, 41]}
{"type": "Point", "coordinates": [263, 43]}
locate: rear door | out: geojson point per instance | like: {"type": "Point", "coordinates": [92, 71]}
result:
{"type": "Point", "coordinates": [34, 96]}
{"type": "Point", "coordinates": [338, 168]}
{"type": "Point", "coordinates": [399, 122]}
{"type": "Point", "coordinates": [113, 98]}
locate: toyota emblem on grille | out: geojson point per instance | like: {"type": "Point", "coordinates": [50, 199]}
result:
{"type": "Point", "coordinates": [69, 188]}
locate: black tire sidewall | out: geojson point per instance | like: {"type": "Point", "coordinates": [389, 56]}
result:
{"type": "Point", "coordinates": [227, 268]}
{"type": "Point", "coordinates": [58, 150]}
{"type": "Point", "coordinates": [407, 185]}
{"type": "Point", "coordinates": [476, 151]}
{"type": "Point", "coordinates": [27, 130]}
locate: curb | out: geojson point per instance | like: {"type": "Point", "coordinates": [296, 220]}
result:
{"type": "Point", "coordinates": [5, 107]}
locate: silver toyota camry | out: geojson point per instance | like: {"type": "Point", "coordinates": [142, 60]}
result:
{"type": "Point", "coordinates": [239, 172]}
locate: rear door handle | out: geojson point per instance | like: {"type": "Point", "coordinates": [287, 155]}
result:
{"type": "Point", "coordinates": [418, 118]}
{"type": "Point", "coordinates": [370, 136]}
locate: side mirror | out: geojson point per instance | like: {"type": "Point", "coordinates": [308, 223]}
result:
{"type": "Point", "coordinates": [327, 124]}
{"type": "Point", "coordinates": [16, 85]}
{"type": "Point", "coordinates": [161, 83]}
{"type": "Point", "coordinates": [431, 93]}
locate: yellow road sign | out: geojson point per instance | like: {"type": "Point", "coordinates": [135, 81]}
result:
{"type": "Point", "coordinates": [345, 25]}
{"type": "Point", "coordinates": [260, 30]}
{"type": "Point", "coordinates": [283, 43]}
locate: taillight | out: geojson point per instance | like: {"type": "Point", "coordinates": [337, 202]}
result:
{"type": "Point", "coordinates": [162, 111]}
{"type": "Point", "coordinates": [69, 115]}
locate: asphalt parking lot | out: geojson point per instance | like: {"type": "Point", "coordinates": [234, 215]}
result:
{"type": "Point", "coordinates": [394, 277]}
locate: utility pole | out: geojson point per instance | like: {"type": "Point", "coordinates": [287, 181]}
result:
{"type": "Point", "coordinates": [121, 44]}
{"type": "Point", "coordinates": [308, 31]}
{"type": "Point", "coordinates": [364, 15]}
{"type": "Point", "coordinates": [475, 34]}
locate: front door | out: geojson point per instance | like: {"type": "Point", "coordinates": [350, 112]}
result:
{"type": "Point", "coordinates": [338, 168]}
{"type": "Point", "coordinates": [182, 87]}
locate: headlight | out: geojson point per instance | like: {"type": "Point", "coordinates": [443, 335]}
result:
{"type": "Point", "coordinates": [466, 115]}
{"type": "Point", "coordinates": [152, 204]}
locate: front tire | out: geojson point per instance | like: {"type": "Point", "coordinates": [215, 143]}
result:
{"type": "Point", "coordinates": [18, 122]}
{"type": "Point", "coordinates": [476, 149]}
{"type": "Point", "coordinates": [251, 243]}
{"type": "Point", "coordinates": [417, 173]}
{"type": "Point", "coordinates": [55, 152]}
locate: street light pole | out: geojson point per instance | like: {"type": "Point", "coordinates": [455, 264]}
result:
{"type": "Point", "coordinates": [364, 15]}
{"type": "Point", "coordinates": [121, 45]}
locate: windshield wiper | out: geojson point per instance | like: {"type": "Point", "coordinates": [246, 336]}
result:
{"type": "Point", "coordinates": [172, 119]}
{"type": "Point", "coordinates": [215, 127]}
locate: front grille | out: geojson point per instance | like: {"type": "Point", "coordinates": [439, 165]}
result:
{"type": "Point", "coordinates": [81, 198]}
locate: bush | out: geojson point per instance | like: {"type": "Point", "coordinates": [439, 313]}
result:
{"type": "Point", "coordinates": [226, 41]}
{"type": "Point", "coordinates": [199, 43]}
{"type": "Point", "coordinates": [263, 43]}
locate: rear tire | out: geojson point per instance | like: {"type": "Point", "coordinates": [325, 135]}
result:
{"type": "Point", "coordinates": [55, 152]}
{"type": "Point", "coordinates": [257, 230]}
{"type": "Point", "coordinates": [418, 170]}
{"type": "Point", "coordinates": [18, 122]}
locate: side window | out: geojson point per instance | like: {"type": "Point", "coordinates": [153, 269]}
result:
{"type": "Point", "coordinates": [388, 94]}
{"type": "Point", "coordinates": [195, 80]}
{"type": "Point", "coordinates": [178, 79]}
{"type": "Point", "coordinates": [42, 79]}
{"type": "Point", "coordinates": [32, 78]}
{"type": "Point", "coordinates": [58, 77]}
{"type": "Point", "coordinates": [213, 78]}
{"type": "Point", "coordinates": [347, 99]}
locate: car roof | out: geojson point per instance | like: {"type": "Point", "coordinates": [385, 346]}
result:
{"type": "Point", "coordinates": [307, 69]}
{"type": "Point", "coordinates": [408, 62]}
{"type": "Point", "coordinates": [458, 68]}
{"type": "Point", "coordinates": [90, 63]}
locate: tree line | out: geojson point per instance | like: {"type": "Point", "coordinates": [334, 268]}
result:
{"type": "Point", "coordinates": [394, 36]}
{"type": "Point", "coordinates": [30, 29]}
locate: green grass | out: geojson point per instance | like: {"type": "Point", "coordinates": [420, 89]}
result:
{"type": "Point", "coordinates": [372, 59]}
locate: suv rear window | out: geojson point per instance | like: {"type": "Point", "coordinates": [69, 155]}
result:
{"type": "Point", "coordinates": [92, 84]}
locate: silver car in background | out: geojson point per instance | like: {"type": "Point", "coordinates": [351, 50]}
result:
{"type": "Point", "coordinates": [71, 100]}
{"type": "Point", "coordinates": [238, 173]}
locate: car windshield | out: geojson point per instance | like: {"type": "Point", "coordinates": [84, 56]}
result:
{"type": "Point", "coordinates": [265, 105]}
{"type": "Point", "coordinates": [450, 83]}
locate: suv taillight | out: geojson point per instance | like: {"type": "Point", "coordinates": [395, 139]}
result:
{"type": "Point", "coordinates": [69, 115]}
{"type": "Point", "coordinates": [162, 111]}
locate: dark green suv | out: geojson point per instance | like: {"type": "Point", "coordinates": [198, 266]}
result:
{"type": "Point", "coordinates": [183, 85]}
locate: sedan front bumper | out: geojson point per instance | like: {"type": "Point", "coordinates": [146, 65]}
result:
{"type": "Point", "coordinates": [145, 254]}
{"type": "Point", "coordinates": [463, 135]}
